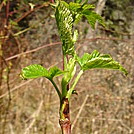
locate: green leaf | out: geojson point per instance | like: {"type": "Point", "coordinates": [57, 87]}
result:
{"type": "Point", "coordinates": [55, 71]}
{"type": "Point", "coordinates": [78, 1]}
{"type": "Point", "coordinates": [64, 19]}
{"type": "Point", "coordinates": [88, 6]}
{"type": "Point", "coordinates": [95, 60]}
{"type": "Point", "coordinates": [86, 57]}
{"type": "Point", "coordinates": [78, 17]}
{"type": "Point", "coordinates": [93, 17]}
{"type": "Point", "coordinates": [74, 6]}
{"type": "Point", "coordinates": [34, 71]}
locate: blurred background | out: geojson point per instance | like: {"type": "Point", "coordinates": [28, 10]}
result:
{"type": "Point", "coordinates": [105, 100]}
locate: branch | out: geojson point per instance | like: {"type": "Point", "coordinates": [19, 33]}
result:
{"type": "Point", "coordinates": [57, 43]}
{"type": "Point", "coordinates": [15, 88]}
{"type": "Point", "coordinates": [33, 50]}
{"type": "Point", "coordinates": [31, 11]}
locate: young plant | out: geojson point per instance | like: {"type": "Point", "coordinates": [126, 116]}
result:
{"type": "Point", "coordinates": [67, 15]}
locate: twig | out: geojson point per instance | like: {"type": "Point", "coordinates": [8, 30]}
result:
{"type": "Point", "coordinates": [9, 96]}
{"type": "Point", "coordinates": [29, 12]}
{"type": "Point", "coordinates": [56, 43]}
{"type": "Point", "coordinates": [78, 115]}
{"type": "Point", "coordinates": [2, 4]}
{"type": "Point", "coordinates": [15, 88]}
{"type": "Point", "coordinates": [118, 32]}
{"type": "Point", "coordinates": [7, 82]}
{"type": "Point", "coordinates": [33, 50]}
{"type": "Point", "coordinates": [7, 11]}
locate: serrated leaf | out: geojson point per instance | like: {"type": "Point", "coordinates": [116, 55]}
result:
{"type": "Point", "coordinates": [95, 60]}
{"type": "Point", "coordinates": [86, 57]}
{"type": "Point", "coordinates": [78, 1]}
{"type": "Point", "coordinates": [34, 71]}
{"type": "Point", "coordinates": [78, 17]}
{"type": "Point", "coordinates": [93, 17]}
{"type": "Point", "coordinates": [74, 6]}
{"type": "Point", "coordinates": [55, 71]}
{"type": "Point", "coordinates": [64, 19]}
{"type": "Point", "coordinates": [88, 6]}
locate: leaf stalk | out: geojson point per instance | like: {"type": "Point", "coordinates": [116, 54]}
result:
{"type": "Point", "coordinates": [57, 89]}
{"type": "Point", "coordinates": [69, 93]}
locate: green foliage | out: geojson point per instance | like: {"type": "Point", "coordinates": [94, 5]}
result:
{"type": "Point", "coordinates": [64, 21]}
{"type": "Point", "coordinates": [95, 60]}
{"type": "Point", "coordinates": [36, 71]}
{"type": "Point", "coordinates": [80, 10]}
{"type": "Point", "coordinates": [92, 17]}
{"type": "Point", "coordinates": [54, 72]}
{"type": "Point", "coordinates": [66, 16]}
{"type": "Point", "coordinates": [77, 1]}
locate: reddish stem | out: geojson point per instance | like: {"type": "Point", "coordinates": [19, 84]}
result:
{"type": "Point", "coordinates": [65, 117]}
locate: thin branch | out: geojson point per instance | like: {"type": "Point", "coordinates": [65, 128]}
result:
{"type": "Point", "coordinates": [9, 96]}
{"type": "Point", "coordinates": [2, 4]}
{"type": "Point", "coordinates": [31, 11]}
{"type": "Point", "coordinates": [33, 50]}
{"type": "Point", "coordinates": [7, 11]}
{"type": "Point", "coordinates": [15, 88]}
{"type": "Point", "coordinates": [59, 43]}
{"type": "Point", "coordinates": [7, 81]}
{"type": "Point", "coordinates": [113, 31]}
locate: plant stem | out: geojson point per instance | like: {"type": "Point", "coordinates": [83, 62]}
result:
{"type": "Point", "coordinates": [64, 108]}
{"type": "Point", "coordinates": [65, 117]}
{"type": "Point", "coordinates": [64, 88]}
{"type": "Point", "coordinates": [57, 90]}
{"type": "Point", "coordinates": [74, 84]}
